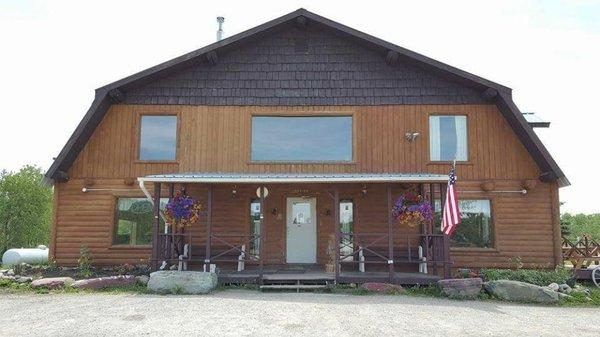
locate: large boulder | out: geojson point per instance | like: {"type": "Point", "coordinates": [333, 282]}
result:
{"type": "Point", "coordinates": [182, 282]}
{"type": "Point", "coordinates": [385, 288]}
{"type": "Point", "coordinates": [521, 291]}
{"type": "Point", "coordinates": [103, 282]}
{"type": "Point", "coordinates": [461, 287]}
{"type": "Point", "coordinates": [52, 282]}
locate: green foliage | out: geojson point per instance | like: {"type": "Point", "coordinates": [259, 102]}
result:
{"type": "Point", "coordinates": [540, 277]}
{"type": "Point", "coordinates": [574, 226]}
{"type": "Point", "coordinates": [84, 263]}
{"type": "Point", "coordinates": [25, 209]}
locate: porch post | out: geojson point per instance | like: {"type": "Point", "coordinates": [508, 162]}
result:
{"type": "Point", "coordinates": [170, 241]}
{"type": "Point", "coordinates": [155, 226]}
{"type": "Point", "coordinates": [390, 234]}
{"type": "Point", "coordinates": [261, 237]}
{"type": "Point", "coordinates": [430, 239]}
{"type": "Point", "coordinates": [336, 222]}
{"type": "Point", "coordinates": [208, 227]}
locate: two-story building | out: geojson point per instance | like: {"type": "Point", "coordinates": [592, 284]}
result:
{"type": "Point", "coordinates": [297, 137]}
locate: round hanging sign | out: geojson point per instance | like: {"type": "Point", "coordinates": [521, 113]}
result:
{"type": "Point", "coordinates": [265, 191]}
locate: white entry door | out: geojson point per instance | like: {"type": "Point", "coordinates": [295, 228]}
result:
{"type": "Point", "coordinates": [301, 238]}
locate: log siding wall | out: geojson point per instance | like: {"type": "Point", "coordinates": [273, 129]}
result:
{"type": "Point", "coordinates": [218, 139]}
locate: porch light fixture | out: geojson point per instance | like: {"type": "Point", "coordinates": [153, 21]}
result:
{"type": "Point", "coordinates": [234, 191]}
{"type": "Point", "coordinates": [364, 189]}
{"type": "Point", "coordinates": [274, 211]}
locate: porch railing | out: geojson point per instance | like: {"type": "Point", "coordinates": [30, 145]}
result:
{"type": "Point", "coordinates": [378, 249]}
{"type": "Point", "coordinates": [224, 248]}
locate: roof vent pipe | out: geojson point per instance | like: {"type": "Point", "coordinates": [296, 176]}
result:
{"type": "Point", "coordinates": [220, 20]}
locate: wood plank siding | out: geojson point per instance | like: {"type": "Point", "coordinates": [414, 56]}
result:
{"type": "Point", "coordinates": [217, 139]}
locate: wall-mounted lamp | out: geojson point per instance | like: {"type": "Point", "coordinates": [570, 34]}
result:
{"type": "Point", "coordinates": [274, 211]}
{"type": "Point", "coordinates": [234, 191]}
{"type": "Point", "coordinates": [411, 136]}
{"type": "Point", "coordinates": [364, 189]}
{"type": "Point", "coordinates": [327, 212]}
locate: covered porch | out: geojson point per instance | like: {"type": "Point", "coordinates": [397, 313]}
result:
{"type": "Point", "coordinates": [300, 228]}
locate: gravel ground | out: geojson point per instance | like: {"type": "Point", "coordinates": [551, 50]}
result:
{"type": "Point", "coordinates": [250, 313]}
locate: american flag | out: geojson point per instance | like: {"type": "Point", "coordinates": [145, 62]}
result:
{"type": "Point", "coordinates": [451, 214]}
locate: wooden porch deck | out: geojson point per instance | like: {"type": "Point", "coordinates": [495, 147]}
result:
{"type": "Point", "coordinates": [315, 276]}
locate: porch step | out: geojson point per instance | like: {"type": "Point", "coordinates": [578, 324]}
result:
{"type": "Point", "coordinates": [296, 287]}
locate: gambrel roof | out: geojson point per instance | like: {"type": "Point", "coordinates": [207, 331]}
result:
{"type": "Point", "coordinates": [344, 67]}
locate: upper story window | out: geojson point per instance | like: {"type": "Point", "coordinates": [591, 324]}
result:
{"type": "Point", "coordinates": [298, 139]}
{"type": "Point", "coordinates": [448, 138]}
{"type": "Point", "coordinates": [158, 138]}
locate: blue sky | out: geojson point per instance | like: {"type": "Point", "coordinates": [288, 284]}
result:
{"type": "Point", "coordinates": [54, 54]}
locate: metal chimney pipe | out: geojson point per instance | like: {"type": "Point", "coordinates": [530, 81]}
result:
{"type": "Point", "coordinates": [220, 20]}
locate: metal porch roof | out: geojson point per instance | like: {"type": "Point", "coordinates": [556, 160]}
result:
{"type": "Point", "coordinates": [294, 178]}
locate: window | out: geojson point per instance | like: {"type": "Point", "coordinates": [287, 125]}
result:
{"type": "Point", "coordinates": [158, 138]}
{"type": "Point", "coordinates": [319, 139]}
{"type": "Point", "coordinates": [133, 223]}
{"type": "Point", "coordinates": [347, 226]}
{"type": "Point", "coordinates": [448, 138]}
{"type": "Point", "coordinates": [255, 227]}
{"type": "Point", "coordinates": [475, 230]}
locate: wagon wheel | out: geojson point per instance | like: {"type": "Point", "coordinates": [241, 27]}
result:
{"type": "Point", "coordinates": [596, 276]}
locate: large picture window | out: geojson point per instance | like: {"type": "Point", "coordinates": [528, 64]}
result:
{"type": "Point", "coordinates": [291, 139]}
{"type": "Point", "coordinates": [475, 230]}
{"type": "Point", "coordinates": [133, 221]}
{"type": "Point", "coordinates": [158, 138]}
{"type": "Point", "coordinates": [448, 138]}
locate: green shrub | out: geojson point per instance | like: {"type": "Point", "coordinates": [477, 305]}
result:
{"type": "Point", "coordinates": [534, 276]}
{"type": "Point", "coordinates": [84, 263]}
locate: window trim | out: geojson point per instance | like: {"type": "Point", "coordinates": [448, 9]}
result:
{"type": "Point", "coordinates": [494, 242]}
{"type": "Point", "coordinates": [138, 142]}
{"type": "Point", "coordinates": [470, 157]}
{"type": "Point", "coordinates": [351, 114]}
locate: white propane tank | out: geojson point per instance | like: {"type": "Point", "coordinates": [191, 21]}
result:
{"type": "Point", "coordinates": [16, 256]}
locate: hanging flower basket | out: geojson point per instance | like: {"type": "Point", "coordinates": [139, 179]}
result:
{"type": "Point", "coordinates": [412, 210]}
{"type": "Point", "coordinates": [182, 211]}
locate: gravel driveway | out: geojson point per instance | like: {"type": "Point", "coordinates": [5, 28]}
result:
{"type": "Point", "coordinates": [239, 312]}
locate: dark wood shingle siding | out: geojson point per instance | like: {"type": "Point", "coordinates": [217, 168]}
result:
{"type": "Point", "coordinates": [303, 67]}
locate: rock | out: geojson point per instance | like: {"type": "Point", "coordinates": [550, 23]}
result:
{"type": "Point", "coordinates": [565, 289]}
{"type": "Point", "coordinates": [520, 291]}
{"type": "Point", "coordinates": [183, 282]}
{"type": "Point", "coordinates": [103, 282]}
{"type": "Point", "coordinates": [23, 279]}
{"type": "Point", "coordinates": [563, 296]}
{"type": "Point", "coordinates": [461, 287]}
{"type": "Point", "coordinates": [142, 279]}
{"type": "Point", "coordinates": [52, 282]}
{"type": "Point", "coordinates": [10, 272]}
{"type": "Point", "coordinates": [6, 277]}
{"type": "Point", "coordinates": [554, 286]}
{"type": "Point", "coordinates": [385, 288]}
{"type": "Point", "coordinates": [582, 290]}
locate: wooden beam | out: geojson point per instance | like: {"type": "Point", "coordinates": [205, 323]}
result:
{"type": "Point", "coordinates": [301, 22]}
{"type": "Point", "coordinates": [489, 94]}
{"type": "Point", "coordinates": [212, 58]}
{"type": "Point", "coordinates": [209, 197]}
{"type": "Point", "coordinates": [392, 57]}
{"type": "Point", "coordinates": [261, 238]}
{"type": "Point", "coordinates": [390, 234]}
{"type": "Point", "coordinates": [336, 222]}
{"type": "Point", "coordinates": [155, 226]}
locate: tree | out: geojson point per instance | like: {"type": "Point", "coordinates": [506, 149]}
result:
{"type": "Point", "coordinates": [25, 209]}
